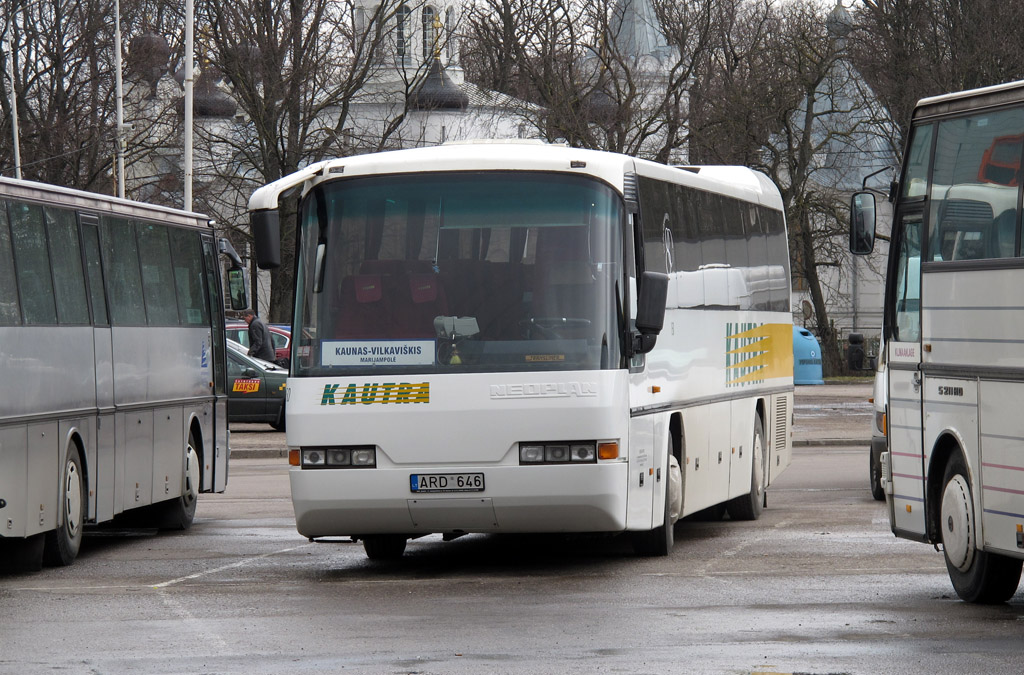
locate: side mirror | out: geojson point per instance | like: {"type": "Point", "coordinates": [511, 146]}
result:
{"type": "Point", "coordinates": [650, 311]}
{"type": "Point", "coordinates": [862, 223]}
{"type": "Point", "coordinates": [266, 233]}
{"type": "Point", "coordinates": [236, 288]}
{"type": "Point", "coordinates": [250, 372]}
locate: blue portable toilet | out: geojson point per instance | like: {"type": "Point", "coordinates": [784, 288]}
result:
{"type": "Point", "coordinates": [806, 357]}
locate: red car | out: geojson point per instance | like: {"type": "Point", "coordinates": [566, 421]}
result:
{"type": "Point", "coordinates": [281, 337]}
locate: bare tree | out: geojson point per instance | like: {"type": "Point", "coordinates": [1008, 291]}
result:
{"type": "Point", "coordinates": [909, 49]}
{"type": "Point", "coordinates": [777, 93]}
{"type": "Point", "coordinates": [63, 81]}
{"type": "Point", "coordinates": [589, 72]}
{"type": "Point", "coordinates": [296, 70]}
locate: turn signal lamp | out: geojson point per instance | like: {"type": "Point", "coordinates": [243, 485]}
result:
{"type": "Point", "coordinates": [608, 451]}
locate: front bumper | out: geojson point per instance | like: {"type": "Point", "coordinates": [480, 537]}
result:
{"type": "Point", "coordinates": [516, 499]}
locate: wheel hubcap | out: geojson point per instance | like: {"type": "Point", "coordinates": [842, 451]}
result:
{"type": "Point", "coordinates": [191, 491]}
{"type": "Point", "coordinates": [958, 516]}
{"type": "Point", "coordinates": [758, 460]}
{"type": "Point", "coordinates": [72, 499]}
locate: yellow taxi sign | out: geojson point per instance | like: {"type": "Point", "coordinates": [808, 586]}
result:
{"type": "Point", "coordinates": [246, 386]}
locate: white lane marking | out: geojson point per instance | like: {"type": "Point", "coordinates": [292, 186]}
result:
{"type": "Point", "coordinates": [240, 563]}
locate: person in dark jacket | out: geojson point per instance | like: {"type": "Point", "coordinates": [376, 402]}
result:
{"type": "Point", "coordinates": [260, 345]}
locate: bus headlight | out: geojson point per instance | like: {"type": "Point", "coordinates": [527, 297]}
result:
{"type": "Point", "coordinates": [531, 454]}
{"type": "Point", "coordinates": [582, 452]}
{"type": "Point", "coordinates": [364, 458]}
{"type": "Point", "coordinates": [339, 458]}
{"type": "Point", "coordinates": [575, 452]}
{"type": "Point", "coordinates": [314, 458]}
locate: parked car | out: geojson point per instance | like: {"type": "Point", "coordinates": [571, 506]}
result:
{"type": "Point", "coordinates": [280, 335]}
{"type": "Point", "coordinates": [256, 388]}
{"type": "Point", "coordinates": [878, 427]}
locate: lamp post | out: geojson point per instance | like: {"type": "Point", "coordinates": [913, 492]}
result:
{"type": "Point", "coordinates": [9, 51]}
{"type": "Point", "coordinates": [189, 48]}
{"type": "Point", "coordinates": [119, 96]}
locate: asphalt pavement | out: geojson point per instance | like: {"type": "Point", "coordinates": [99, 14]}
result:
{"type": "Point", "coordinates": [833, 414]}
{"type": "Point", "coordinates": [823, 415]}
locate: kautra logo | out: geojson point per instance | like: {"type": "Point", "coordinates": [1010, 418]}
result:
{"type": "Point", "coordinates": [375, 392]}
{"type": "Point", "coordinates": [755, 352]}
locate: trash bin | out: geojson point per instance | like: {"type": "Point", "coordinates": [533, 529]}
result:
{"type": "Point", "coordinates": [855, 351]}
{"type": "Point", "coordinates": [806, 357]}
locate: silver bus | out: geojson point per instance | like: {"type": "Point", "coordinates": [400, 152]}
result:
{"type": "Point", "coordinates": [112, 366]}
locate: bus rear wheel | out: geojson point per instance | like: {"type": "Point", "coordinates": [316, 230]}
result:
{"type": "Point", "coordinates": [62, 544]}
{"type": "Point", "coordinates": [977, 576]}
{"type": "Point", "coordinates": [749, 506]}
{"type": "Point", "coordinates": [384, 546]}
{"type": "Point", "coordinates": [178, 513]}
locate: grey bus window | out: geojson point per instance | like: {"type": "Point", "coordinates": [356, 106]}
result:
{"type": "Point", "coordinates": [157, 277]}
{"type": "Point", "coordinates": [94, 272]}
{"type": "Point", "coordinates": [187, 256]}
{"type": "Point", "coordinates": [121, 270]}
{"type": "Point", "coordinates": [758, 275]}
{"type": "Point", "coordinates": [68, 279]}
{"type": "Point", "coordinates": [33, 264]}
{"type": "Point", "coordinates": [975, 179]}
{"type": "Point", "coordinates": [915, 173]}
{"type": "Point", "coordinates": [10, 308]}
{"type": "Point", "coordinates": [907, 289]}
{"type": "Point", "coordinates": [778, 258]}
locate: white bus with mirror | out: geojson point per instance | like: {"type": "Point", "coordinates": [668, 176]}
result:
{"type": "Point", "coordinates": [520, 337]}
{"type": "Point", "coordinates": [954, 470]}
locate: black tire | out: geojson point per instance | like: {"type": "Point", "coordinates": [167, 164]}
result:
{"type": "Point", "coordinates": [178, 513]}
{"type": "Point", "coordinates": [875, 474]}
{"type": "Point", "coordinates": [977, 576]}
{"type": "Point", "coordinates": [62, 544]}
{"type": "Point", "coordinates": [384, 546]}
{"type": "Point", "coordinates": [659, 541]}
{"type": "Point", "coordinates": [750, 505]}
{"type": "Point", "coordinates": [278, 424]}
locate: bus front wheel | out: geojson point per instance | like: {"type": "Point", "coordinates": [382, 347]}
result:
{"type": "Point", "coordinates": [660, 540]}
{"type": "Point", "coordinates": [384, 546]}
{"type": "Point", "coordinates": [62, 544]}
{"type": "Point", "coordinates": [977, 576]}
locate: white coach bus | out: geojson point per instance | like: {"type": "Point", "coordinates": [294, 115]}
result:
{"type": "Point", "coordinates": [112, 366]}
{"type": "Point", "coordinates": [954, 471]}
{"type": "Point", "coordinates": [475, 352]}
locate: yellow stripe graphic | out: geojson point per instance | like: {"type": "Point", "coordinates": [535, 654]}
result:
{"type": "Point", "coordinates": [770, 353]}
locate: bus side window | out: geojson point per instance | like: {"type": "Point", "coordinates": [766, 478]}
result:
{"type": "Point", "coordinates": [33, 264]}
{"type": "Point", "coordinates": [10, 308]}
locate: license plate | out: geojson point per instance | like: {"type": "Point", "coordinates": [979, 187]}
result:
{"type": "Point", "coordinates": [446, 482]}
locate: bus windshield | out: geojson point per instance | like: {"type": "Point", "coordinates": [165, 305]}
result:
{"type": "Point", "coordinates": [459, 272]}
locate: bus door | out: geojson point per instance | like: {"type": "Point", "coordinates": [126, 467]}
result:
{"type": "Point", "coordinates": [906, 491]}
{"type": "Point", "coordinates": [103, 464]}
{"type": "Point", "coordinates": [218, 362]}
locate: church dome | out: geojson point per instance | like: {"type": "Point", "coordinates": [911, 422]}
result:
{"type": "Point", "coordinates": [147, 57]}
{"type": "Point", "coordinates": [209, 100]}
{"type": "Point", "coordinates": [438, 92]}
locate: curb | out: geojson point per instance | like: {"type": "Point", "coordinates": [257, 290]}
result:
{"type": "Point", "coordinates": [269, 453]}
